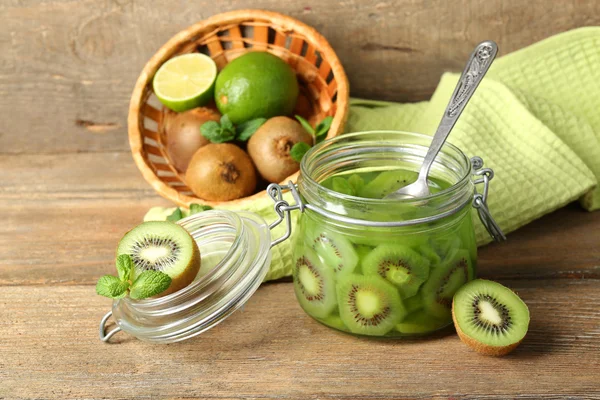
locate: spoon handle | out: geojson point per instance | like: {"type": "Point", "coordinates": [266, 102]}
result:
{"type": "Point", "coordinates": [478, 64]}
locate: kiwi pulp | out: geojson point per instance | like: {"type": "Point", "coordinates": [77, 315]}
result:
{"type": "Point", "coordinates": [314, 284]}
{"type": "Point", "coordinates": [489, 317]}
{"type": "Point", "coordinates": [337, 252]}
{"type": "Point", "coordinates": [162, 246]}
{"type": "Point", "coordinates": [400, 265]}
{"type": "Point", "coordinates": [369, 305]}
{"type": "Point", "coordinates": [444, 281]}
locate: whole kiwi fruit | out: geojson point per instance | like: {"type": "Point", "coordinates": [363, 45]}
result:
{"type": "Point", "coordinates": [182, 131]}
{"type": "Point", "coordinates": [221, 172]}
{"type": "Point", "coordinates": [270, 147]}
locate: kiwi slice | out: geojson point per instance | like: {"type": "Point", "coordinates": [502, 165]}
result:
{"type": "Point", "coordinates": [387, 182]}
{"type": "Point", "coordinates": [361, 251]}
{"type": "Point", "coordinates": [444, 281]}
{"type": "Point", "coordinates": [419, 322]}
{"type": "Point", "coordinates": [337, 252]}
{"type": "Point", "coordinates": [162, 246]}
{"type": "Point", "coordinates": [433, 256]}
{"type": "Point", "coordinates": [334, 321]}
{"type": "Point", "coordinates": [369, 305]}
{"type": "Point", "coordinates": [314, 284]}
{"type": "Point", "coordinates": [413, 303]}
{"type": "Point", "coordinates": [489, 317]}
{"type": "Point", "coordinates": [400, 265]}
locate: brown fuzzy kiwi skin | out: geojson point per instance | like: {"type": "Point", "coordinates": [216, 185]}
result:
{"type": "Point", "coordinates": [187, 277]}
{"type": "Point", "coordinates": [183, 137]}
{"type": "Point", "coordinates": [221, 172]}
{"type": "Point", "coordinates": [269, 147]}
{"type": "Point", "coordinates": [479, 347]}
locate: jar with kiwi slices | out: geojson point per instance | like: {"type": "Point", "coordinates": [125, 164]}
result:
{"type": "Point", "coordinates": [370, 266]}
{"type": "Point", "coordinates": [361, 264]}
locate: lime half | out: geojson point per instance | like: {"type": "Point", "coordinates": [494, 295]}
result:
{"type": "Point", "coordinates": [185, 82]}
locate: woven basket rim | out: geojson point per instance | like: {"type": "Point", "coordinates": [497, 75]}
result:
{"type": "Point", "coordinates": [166, 51]}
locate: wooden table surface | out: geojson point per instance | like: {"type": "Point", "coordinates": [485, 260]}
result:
{"type": "Point", "coordinates": [69, 190]}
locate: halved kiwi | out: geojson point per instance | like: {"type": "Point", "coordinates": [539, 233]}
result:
{"type": "Point", "coordinates": [369, 305]}
{"type": "Point", "coordinates": [337, 252]}
{"type": "Point", "coordinates": [314, 284]}
{"type": "Point", "coordinates": [419, 322]}
{"type": "Point", "coordinates": [444, 281]}
{"type": "Point", "coordinates": [489, 317]}
{"type": "Point", "coordinates": [162, 246]}
{"type": "Point", "coordinates": [400, 265]}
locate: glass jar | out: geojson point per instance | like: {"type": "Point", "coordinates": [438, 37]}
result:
{"type": "Point", "coordinates": [382, 267]}
{"type": "Point", "coordinates": [364, 266]}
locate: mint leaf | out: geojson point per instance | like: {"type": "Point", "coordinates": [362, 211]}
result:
{"type": "Point", "coordinates": [323, 126]}
{"type": "Point", "coordinates": [196, 208]}
{"type": "Point", "coordinates": [341, 185]}
{"type": "Point", "coordinates": [298, 151]}
{"type": "Point", "coordinates": [226, 124]}
{"type": "Point", "coordinates": [356, 182]}
{"type": "Point", "coordinates": [148, 284]}
{"type": "Point", "coordinates": [246, 130]}
{"type": "Point", "coordinates": [322, 129]}
{"type": "Point", "coordinates": [124, 266]}
{"type": "Point", "coordinates": [111, 286]}
{"type": "Point", "coordinates": [305, 125]}
{"type": "Point", "coordinates": [176, 215]}
{"type": "Point", "coordinates": [211, 130]}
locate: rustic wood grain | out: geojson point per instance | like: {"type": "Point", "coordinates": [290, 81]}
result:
{"type": "Point", "coordinates": [63, 213]}
{"type": "Point", "coordinates": [271, 349]}
{"type": "Point", "coordinates": [80, 59]}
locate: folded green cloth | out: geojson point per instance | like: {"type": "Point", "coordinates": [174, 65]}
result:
{"type": "Point", "coordinates": [535, 119]}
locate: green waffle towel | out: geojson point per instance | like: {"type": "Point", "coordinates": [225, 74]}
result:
{"type": "Point", "coordinates": [535, 119]}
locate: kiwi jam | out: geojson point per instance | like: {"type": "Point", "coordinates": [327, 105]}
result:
{"type": "Point", "coordinates": [382, 281]}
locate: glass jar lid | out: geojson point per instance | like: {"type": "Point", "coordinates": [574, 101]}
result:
{"type": "Point", "coordinates": [235, 253]}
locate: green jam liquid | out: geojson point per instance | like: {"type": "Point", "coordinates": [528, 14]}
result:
{"type": "Point", "coordinates": [382, 281]}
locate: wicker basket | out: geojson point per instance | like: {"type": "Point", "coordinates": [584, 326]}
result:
{"type": "Point", "coordinates": [323, 85]}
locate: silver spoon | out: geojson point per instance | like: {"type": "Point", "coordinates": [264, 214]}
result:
{"type": "Point", "coordinates": [476, 67]}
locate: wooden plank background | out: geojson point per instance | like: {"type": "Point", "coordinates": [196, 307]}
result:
{"type": "Point", "coordinates": [79, 59]}
{"type": "Point", "coordinates": [69, 189]}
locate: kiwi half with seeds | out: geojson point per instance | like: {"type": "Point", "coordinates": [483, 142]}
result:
{"type": "Point", "coordinates": [400, 265]}
{"type": "Point", "coordinates": [489, 317]}
{"type": "Point", "coordinates": [369, 305]}
{"type": "Point", "coordinates": [162, 246]}
{"type": "Point", "coordinates": [314, 284]}
{"type": "Point", "coordinates": [444, 281]}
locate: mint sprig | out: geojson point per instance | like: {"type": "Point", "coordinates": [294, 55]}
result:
{"type": "Point", "coordinates": [245, 130]}
{"type": "Point", "coordinates": [147, 284]}
{"type": "Point", "coordinates": [320, 131]}
{"type": "Point", "coordinates": [299, 150]}
{"type": "Point", "coordinates": [218, 132]}
{"type": "Point", "coordinates": [225, 131]}
{"type": "Point", "coordinates": [195, 208]}
{"type": "Point", "coordinates": [319, 134]}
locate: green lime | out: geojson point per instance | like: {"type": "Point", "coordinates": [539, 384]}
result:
{"type": "Point", "coordinates": [257, 84]}
{"type": "Point", "coordinates": [185, 82]}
